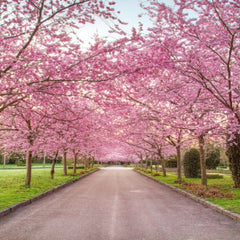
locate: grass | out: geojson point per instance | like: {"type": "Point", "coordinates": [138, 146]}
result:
{"type": "Point", "coordinates": [34, 165]}
{"type": "Point", "coordinates": [12, 189]}
{"type": "Point", "coordinates": [223, 185]}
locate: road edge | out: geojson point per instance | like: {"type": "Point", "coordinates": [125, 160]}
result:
{"type": "Point", "coordinates": [232, 215]}
{"type": "Point", "coordinates": [16, 206]}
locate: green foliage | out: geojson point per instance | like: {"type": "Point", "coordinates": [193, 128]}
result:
{"type": "Point", "coordinates": [156, 174]}
{"type": "Point", "coordinates": [191, 163]}
{"type": "Point", "coordinates": [15, 158]}
{"type": "Point", "coordinates": [148, 171]}
{"type": "Point", "coordinates": [69, 162]}
{"type": "Point", "coordinates": [48, 159]}
{"type": "Point", "coordinates": [21, 162]}
{"type": "Point", "coordinates": [214, 176]}
{"type": "Point", "coordinates": [212, 158]}
{"type": "Point", "coordinates": [171, 162]}
{"type": "Point", "coordinates": [1, 157]}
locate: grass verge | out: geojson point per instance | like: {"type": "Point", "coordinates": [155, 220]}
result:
{"type": "Point", "coordinates": [219, 191]}
{"type": "Point", "coordinates": [12, 189]}
{"type": "Point", "coordinates": [34, 165]}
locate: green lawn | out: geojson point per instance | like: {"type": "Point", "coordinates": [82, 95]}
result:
{"type": "Point", "coordinates": [225, 185]}
{"type": "Point", "coordinates": [34, 165]}
{"type": "Point", "coordinates": [12, 189]}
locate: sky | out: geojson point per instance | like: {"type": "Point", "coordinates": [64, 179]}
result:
{"type": "Point", "coordinates": [129, 11]}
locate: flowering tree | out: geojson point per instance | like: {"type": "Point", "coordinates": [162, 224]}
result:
{"type": "Point", "coordinates": [202, 41]}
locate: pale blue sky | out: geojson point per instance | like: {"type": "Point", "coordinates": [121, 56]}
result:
{"type": "Point", "coordinates": [129, 9]}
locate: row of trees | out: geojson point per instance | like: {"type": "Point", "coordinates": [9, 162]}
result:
{"type": "Point", "coordinates": [148, 94]}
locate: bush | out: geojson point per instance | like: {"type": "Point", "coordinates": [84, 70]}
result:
{"type": "Point", "coordinates": [214, 176]}
{"type": "Point", "coordinates": [171, 162]}
{"type": "Point", "coordinates": [148, 171]}
{"type": "Point", "coordinates": [15, 158]}
{"type": "Point", "coordinates": [222, 166]}
{"type": "Point", "coordinates": [191, 163]}
{"type": "Point", "coordinates": [212, 158]}
{"type": "Point", "coordinates": [69, 162]}
{"type": "Point", "coordinates": [21, 162]}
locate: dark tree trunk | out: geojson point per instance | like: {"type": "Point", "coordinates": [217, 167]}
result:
{"type": "Point", "coordinates": [65, 163]}
{"type": "Point", "coordinates": [53, 165]}
{"type": "Point", "coordinates": [163, 167]}
{"type": "Point", "coordinates": [202, 161]}
{"type": "Point", "coordinates": [233, 153]}
{"type": "Point", "coordinates": [75, 163]}
{"type": "Point", "coordinates": [162, 163]}
{"type": "Point", "coordinates": [29, 169]}
{"type": "Point", "coordinates": [179, 173]}
{"type": "Point", "coordinates": [29, 156]}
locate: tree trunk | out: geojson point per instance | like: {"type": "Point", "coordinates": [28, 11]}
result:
{"type": "Point", "coordinates": [53, 165]}
{"type": "Point", "coordinates": [93, 160]}
{"type": "Point", "coordinates": [162, 163]}
{"type": "Point", "coordinates": [86, 162]}
{"type": "Point", "coordinates": [29, 169]}
{"type": "Point", "coordinates": [233, 153]}
{"type": "Point", "coordinates": [4, 160]}
{"type": "Point", "coordinates": [179, 173]}
{"type": "Point", "coordinates": [65, 163]}
{"type": "Point", "coordinates": [44, 159]}
{"type": "Point", "coordinates": [202, 161]}
{"type": "Point", "coordinates": [156, 165]}
{"type": "Point", "coordinates": [151, 164]}
{"type": "Point", "coordinates": [163, 167]}
{"type": "Point", "coordinates": [75, 163]}
{"type": "Point", "coordinates": [29, 156]}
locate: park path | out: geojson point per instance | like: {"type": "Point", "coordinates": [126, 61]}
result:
{"type": "Point", "coordinates": [117, 204]}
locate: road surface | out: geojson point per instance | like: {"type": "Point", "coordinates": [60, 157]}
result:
{"type": "Point", "coordinates": [117, 204]}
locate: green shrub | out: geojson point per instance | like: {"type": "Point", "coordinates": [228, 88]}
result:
{"type": "Point", "coordinates": [171, 162]}
{"type": "Point", "coordinates": [15, 157]}
{"type": "Point", "coordinates": [191, 163]}
{"type": "Point", "coordinates": [156, 174]}
{"type": "Point", "coordinates": [214, 176]}
{"type": "Point", "coordinates": [21, 162]}
{"type": "Point", "coordinates": [69, 162]}
{"type": "Point", "coordinates": [212, 158]}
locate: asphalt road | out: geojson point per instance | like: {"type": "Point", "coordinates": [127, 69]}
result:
{"type": "Point", "coordinates": [117, 203]}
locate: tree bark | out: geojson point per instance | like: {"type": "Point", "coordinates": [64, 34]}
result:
{"type": "Point", "coordinates": [29, 169]}
{"type": "Point", "coordinates": [202, 161]}
{"type": "Point", "coordinates": [233, 153]}
{"type": "Point", "coordinates": [44, 159]}
{"type": "Point", "coordinates": [156, 165]}
{"type": "Point", "coordinates": [29, 156]}
{"type": "Point", "coordinates": [53, 165]}
{"type": "Point", "coordinates": [4, 160]}
{"type": "Point", "coordinates": [179, 173]}
{"type": "Point", "coordinates": [65, 163]}
{"type": "Point", "coordinates": [151, 164]}
{"type": "Point", "coordinates": [75, 163]}
{"type": "Point", "coordinates": [162, 163]}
